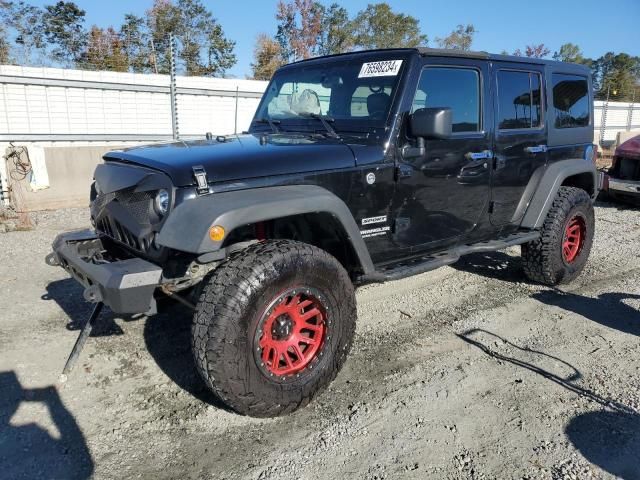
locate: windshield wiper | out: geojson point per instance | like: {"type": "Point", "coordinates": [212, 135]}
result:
{"type": "Point", "coordinates": [272, 123]}
{"type": "Point", "coordinates": [325, 122]}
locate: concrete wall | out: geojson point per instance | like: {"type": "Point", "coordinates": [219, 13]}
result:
{"type": "Point", "coordinates": [70, 171]}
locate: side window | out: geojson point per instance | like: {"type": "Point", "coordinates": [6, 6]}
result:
{"type": "Point", "coordinates": [519, 102]}
{"type": "Point", "coordinates": [455, 88]}
{"type": "Point", "coordinates": [570, 101]}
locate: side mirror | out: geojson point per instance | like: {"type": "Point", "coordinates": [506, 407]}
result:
{"type": "Point", "coordinates": [432, 123]}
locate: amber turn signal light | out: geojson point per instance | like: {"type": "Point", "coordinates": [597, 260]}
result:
{"type": "Point", "coordinates": [216, 233]}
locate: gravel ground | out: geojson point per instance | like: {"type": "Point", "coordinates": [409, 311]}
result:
{"type": "Point", "coordinates": [466, 372]}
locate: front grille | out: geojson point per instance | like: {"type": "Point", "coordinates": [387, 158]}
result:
{"type": "Point", "coordinates": [139, 205]}
{"type": "Point", "coordinates": [101, 200]}
{"type": "Point", "coordinates": [115, 230]}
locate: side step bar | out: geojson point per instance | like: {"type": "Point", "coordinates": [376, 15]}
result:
{"type": "Point", "coordinates": [431, 262]}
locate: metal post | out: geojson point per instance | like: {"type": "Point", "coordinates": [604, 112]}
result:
{"type": "Point", "coordinates": [630, 116]}
{"type": "Point", "coordinates": [604, 115]}
{"type": "Point", "coordinates": [172, 88]}
{"type": "Point", "coordinates": [235, 124]}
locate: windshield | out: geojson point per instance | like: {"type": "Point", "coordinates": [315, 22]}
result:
{"type": "Point", "coordinates": [352, 95]}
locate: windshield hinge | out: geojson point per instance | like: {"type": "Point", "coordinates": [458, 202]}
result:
{"type": "Point", "coordinates": [202, 183]}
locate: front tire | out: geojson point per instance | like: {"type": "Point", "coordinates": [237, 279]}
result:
{"type": "Point", "coordinates": [562, 250]}
{"type": "Point", "coordinates": [273, 326]}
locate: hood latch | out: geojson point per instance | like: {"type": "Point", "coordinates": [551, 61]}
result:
{"type": "Point", "coordinates": [202, 183]}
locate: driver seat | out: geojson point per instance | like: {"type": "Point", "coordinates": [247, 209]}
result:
{"type": "Point", "coordinates": [377, 104]}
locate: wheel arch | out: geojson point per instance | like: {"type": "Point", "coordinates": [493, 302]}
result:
{"type": "Point", "coordinates": [308, 205]}
{"type": "Point", "coordinates": [575, 172]}
{"type": "Point", "coordinates": [320, 229]}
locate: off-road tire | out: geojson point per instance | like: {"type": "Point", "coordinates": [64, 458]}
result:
{"type": "Point", "coordinates": [542, 259]}
{"type": "Point", "coordinates": [232, 303]}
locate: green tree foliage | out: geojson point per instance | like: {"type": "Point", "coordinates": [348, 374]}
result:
{"type": "Point", "coordinates": [616, 76]}
{"type": "Point", "coordinates": [136, 43]}
{"type": "Point", "coordinates": [533, 51]}
{"type": "Point", "coordinates": [307, 28]}
{"type": "Point", "coordinates": [220, 52]}
{"type": "Point", "coordinates": [267, 57]}
{"type": "Point", "coordinates": [63, 25]}
{"type": "Point", "coordinates": [105, 51]}
{"type": "Point", "coordinates": [460, 39]}
{"type": "Point", "coordinates": [336, 35]}
{"type": "Point", "coordinates": [26, 23]}
{"type": "Point", "coordinates": [571, 53]}
{"type": "Point", "coordinates": [202, 46]}
{"type": "Point", "coordinates": [162, 20]}
{"type": "Point", "coordinates": [4, 46]}
{"type": "Point", "coordinates": [378, 26]}
{"type": "Point", "coordinates": [300, 25]}
{"type": "Point", "coordinates": [4, 34]}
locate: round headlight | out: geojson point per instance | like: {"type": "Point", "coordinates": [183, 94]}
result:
{"type": "Point", "coordinates": [161, 202]}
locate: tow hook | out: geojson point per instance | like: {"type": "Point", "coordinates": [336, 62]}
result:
{"type": "Point", "coordinates": [52, 260]}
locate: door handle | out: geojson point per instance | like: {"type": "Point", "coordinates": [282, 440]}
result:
{"type": "Point", "coordinates": [403, 171]}
{"type": "Point", "coordinates": [536, 149]}
{"type": "Point", "coordinates": [484, 155]}
{"type": "Point", "coordinates": [481, 162]}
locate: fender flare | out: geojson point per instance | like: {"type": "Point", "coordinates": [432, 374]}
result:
{"type": "Point", "coordinates": [187, 226]}
{"type": "Point", "coordinates": [551, 181]}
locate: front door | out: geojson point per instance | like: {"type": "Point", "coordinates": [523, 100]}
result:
{"type": "Point", "coordinates": [442, 193]}
{"type": "Point", "coordinates": [521, 137]}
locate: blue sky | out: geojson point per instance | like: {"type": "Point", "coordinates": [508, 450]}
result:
{"type": "Point", "coordinates": [596, 26]}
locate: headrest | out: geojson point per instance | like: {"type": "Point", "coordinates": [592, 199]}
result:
{"type": "Point", "coordinates": [377, 104]}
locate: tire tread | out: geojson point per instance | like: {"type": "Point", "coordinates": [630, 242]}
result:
{"type": "Point", "coordinates": [539, 257]}
{"type": "Point", "coordinates": [224, 299]}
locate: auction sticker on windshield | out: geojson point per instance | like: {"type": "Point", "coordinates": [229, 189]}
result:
{"type": "Point", "coordinates": [387, 68]}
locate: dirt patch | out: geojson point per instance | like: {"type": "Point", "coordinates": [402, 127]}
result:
{"type": "Point", "coordinates": [466, 372]}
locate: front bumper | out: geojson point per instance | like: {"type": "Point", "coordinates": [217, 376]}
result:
{"type": "Point", "coordinates": [125, 286]}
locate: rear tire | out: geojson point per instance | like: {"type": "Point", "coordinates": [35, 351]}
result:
{"type": "Point", "coordinates": [273, 326]}
{"type": "Point", "coordinates": [562, 250]}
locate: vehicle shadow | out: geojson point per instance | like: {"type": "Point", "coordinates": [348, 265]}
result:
{"type": "Point", "coordinates": [608, 309]}
{"type": "Point", "coordinates": [31, 451]}
{"type": "Point", "coordinates": [167, 334]}
{"type": "Point", "coordinates": [168, 339]}
{"type": "Point", "coordinates": [67, 293]}
{"type": "Point", "coordinates": [497, 265]}
{"type": "Point", "coordinates": [609, 202]}
{"type": "Point", "coordinates": [609, 437]}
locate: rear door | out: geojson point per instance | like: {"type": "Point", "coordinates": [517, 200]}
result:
{"type": "Point", "coordinates": [520, 138]}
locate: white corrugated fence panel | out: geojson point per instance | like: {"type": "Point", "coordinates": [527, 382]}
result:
{"type": "Point", "coordinates": [89, 109]}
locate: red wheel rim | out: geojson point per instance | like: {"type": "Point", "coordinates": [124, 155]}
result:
{"type": "Point", "coordinates": [292, 332]}
{"type": "Point", "coordinates": [574, 236]}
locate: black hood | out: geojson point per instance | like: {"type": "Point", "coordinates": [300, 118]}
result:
{"type": "Point", "coordinates": [240, 157]}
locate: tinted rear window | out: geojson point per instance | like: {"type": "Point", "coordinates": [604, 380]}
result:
{"type": "Point", "coordinates": [519, 104]}
{"type": "Point", "coordinates": [570, 101]}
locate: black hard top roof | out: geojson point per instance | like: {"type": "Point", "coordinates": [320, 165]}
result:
{"type": "Point", "coordinates": [441, 52]}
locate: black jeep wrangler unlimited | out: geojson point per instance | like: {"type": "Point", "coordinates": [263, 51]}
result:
{"type": "Point", "coordinates": [357, 168]}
